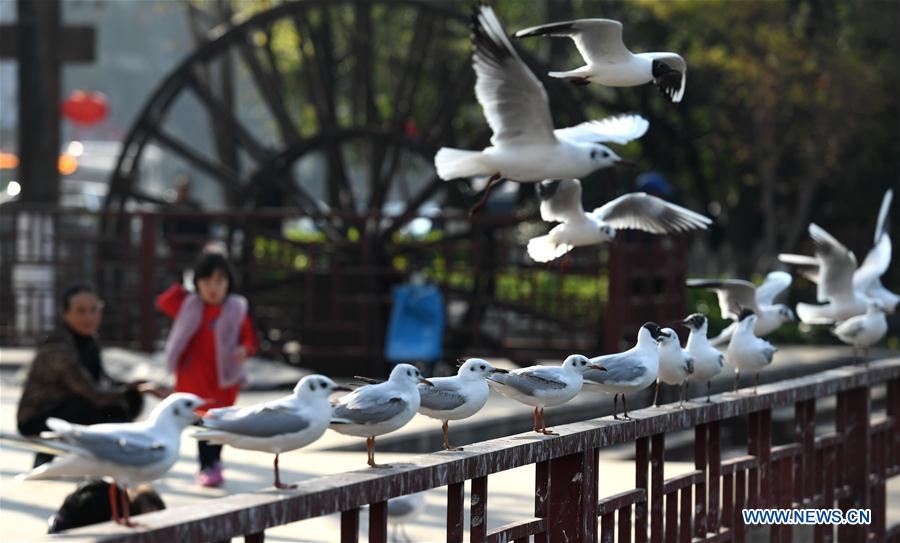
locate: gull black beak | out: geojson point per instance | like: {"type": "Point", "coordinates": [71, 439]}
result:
{"type": "Point", "coordinates": [425, 381]}
{"type": "Point", "coordinates": [597, 367]}
{"type": "Point", "coordinates": [499, 370]}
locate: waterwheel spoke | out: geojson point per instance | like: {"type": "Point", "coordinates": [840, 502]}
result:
{"type": "Point", "coordinates": [219, 110]}
{"type": "Point", "coordinates": [403, 103]}
{"type": "Point", "coordinates": [318, 71]}
{"type": "Point", "coordinates": [267, 84]}
{"type": "Point", "coordinates": [228, 178]}
{"type": "Point", "coordinates": [412, 210]}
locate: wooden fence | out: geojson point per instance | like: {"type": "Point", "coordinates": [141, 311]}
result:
{"type": "Point", "coordinates": [844, 468]}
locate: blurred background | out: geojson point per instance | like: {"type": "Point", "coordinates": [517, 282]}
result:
{"type": "Point", "coordinates": [301, 136]}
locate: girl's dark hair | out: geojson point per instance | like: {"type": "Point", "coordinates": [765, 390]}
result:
{"type": "Point", "coordinates": [208, 263]}
{"type": "Point", "coordinates": [70, 291]}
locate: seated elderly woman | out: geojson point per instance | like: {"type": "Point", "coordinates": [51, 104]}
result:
{"type": "Point", "coordinates": [67, 380]}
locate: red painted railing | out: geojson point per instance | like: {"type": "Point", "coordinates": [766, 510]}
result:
{"type": "Point", "coordinates": [845, 468]}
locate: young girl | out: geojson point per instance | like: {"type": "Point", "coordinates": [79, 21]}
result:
{"type": "Point", "coordinates": [211, 337]}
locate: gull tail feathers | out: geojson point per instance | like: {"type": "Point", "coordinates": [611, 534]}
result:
{"type": "Point", "coordinates": [453, 163]}
{"type": "Point", "coordinates": [543, 249]}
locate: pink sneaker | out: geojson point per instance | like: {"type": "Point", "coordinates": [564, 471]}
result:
{"type": "Point", "coordinates": [211, 477]}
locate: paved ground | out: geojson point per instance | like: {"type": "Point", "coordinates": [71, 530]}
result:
{"type": "Point", "coordinates": [25, 506]}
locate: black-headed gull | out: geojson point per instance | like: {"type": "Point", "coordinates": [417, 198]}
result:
{"type": "Point", "coordinates": [544, 386]}
{"type": "Point", "coordinates": [675, 364]}
{"type": "Point", "coordinates": [457, 397]}
{"type": "Point", "coordinates": [375, 410]}
{"type": "Point", "coordinates": [708, 361]}
{"type": "Point", "coordinates": [736, 294]}
{"type": "Point", "coordinates": [628, 371]}
{"type": "Point", "coordinates": [128, 452]}
{"type": "Point", "coordinates": [867, 277]}
{"type": "Point", "coordinates": [277, 426]}
{"type": "Point", "coordinates": [746, 351]}
{"type": "Point", "coordinates": [609, 62]}
{"type": "Point", "coordinates": [561, 202]}
{"type": "Point", "coordinates": [863, 331]}
{"type": "Point", "coordinates": [834, 266]}
{"type": "Point", "coordinates": [524, 146]}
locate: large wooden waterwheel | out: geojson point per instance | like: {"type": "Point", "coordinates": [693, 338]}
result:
{"type": "Point", "coordinates": [332, 111]}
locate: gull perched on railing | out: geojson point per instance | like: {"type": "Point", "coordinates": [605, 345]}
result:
{"type": "Point", "coordinates": [561, 202]}
{"type": "Point", "coordinates": [746, 351]}
{"type": "Point", "coordinates": [736, 294]}
{"type": "Point", "coordinates": [127, 452]}
{"type": "Point", "coordinates": [863, 331]}
{"type": "Point", "coordinates": [628, 371]}
{"type": "Point", "coordinates": [544, 386]}
{"type": "Point", "coordinates": [675, 364]}
{"type": "Point", "coordinates": [708, 361]}
{"type": "Point", "coordinates": [374, 410]}
{"type": "Point", "coordinates": [277, 426]}
{"type": "Point", "coordinates": [459, 396]}
{"type": "Point", "coordinates": [834, 268]}
{"type": "Point", "coordinates": [609, 62]}
{"type": "Point", "coordinates": [866, 279]}
{"type": "Point", "coordinates": [525, 146]}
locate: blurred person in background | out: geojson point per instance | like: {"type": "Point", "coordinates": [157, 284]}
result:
{"type": "Point", "coordinates": [185, 234]}
{"type": "Point", "coordinates": [67, 380]}
{"type": "Point", "coordinates": [211, 338]}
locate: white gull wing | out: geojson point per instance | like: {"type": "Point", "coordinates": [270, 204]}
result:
{"type": "Point", "coordinates": [561, 200]}
{"type": "Point", "coordinates": [775, 283]}
{"type": "Point", "coordinates": [809, 265]}
{"type": "Point", "coordinates": [371, 404]}
{"type": "Point", "coordinates": [264, 421]}
{"type": "Point", "coordinates": [514, 101]}
{"type": "Point", "coordinates": [132, 447]}
{"type": "Point", "coordinates": [882, 214]}
{"type": "Point", "coordinates": [445, 395]}
{"type": "Point", "coordinates": [876, 263]}
{"type": "Point", "coordinates": [622, 369]}
{"type": "Point", "coordinates": [598, 40]}
{"type": "Point", "coordinates": [530, 381]}
{"type": "Point", "coordinates": [734, 295]}
{"type": "Point", "coordinates": [641, 211]}
{"type": "Point", "coordinates": [620, 129]}
{"type": "Point", "coordinates": [836, 266]}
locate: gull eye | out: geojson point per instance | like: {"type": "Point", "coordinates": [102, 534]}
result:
{"type": "Point", "coordinates": [409, 373]}
{"type": "Point", "coordinates": [472, 368]}
{"type": "Point", "coordinates": [605, 154]}
{"type": "Point", "coordinates": [481, 366]}
{"type": "Point", "coordinates": [323, 385]}
{"type": "Point", "coordinates": [582, 362]}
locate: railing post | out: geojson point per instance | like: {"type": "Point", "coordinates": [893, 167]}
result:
{"type": "Point", "coordinates": [714, 463]}
{"type": "Point", "coordinates": [854, 428]}
{"type": "Point", "coordinates": [147, 284]}
{"type": "Point", "coordinates": [541, 496]}
{"type": "Point", "coordinates": [572, 481]}
{"type": "Point", "coordinates": [350, 526]}
{"type": "Point", "coordinates": [893, 411]}
{"type": "Point", "coordinates": [759, 444]}
{"type": "Point", "coordinates": [657, 478]}
{"type": "Point", "coordinates": [456, 495]}
{"type": "Point", "coordinates": [378, 522]}
{"type": "Point", "coordinates": [641, 464]}
{"type": "Point", "coordinates": [805, 430]}
{"type": "Point", "coordinates": [478, 510]}
{"type": "Point", "coordinates": [701, 447]}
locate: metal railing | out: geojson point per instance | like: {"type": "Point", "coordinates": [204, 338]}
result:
{"type": "Point", "coordinates": [322, 297]}
{"type": "Point", "coordinates": [846, 468]}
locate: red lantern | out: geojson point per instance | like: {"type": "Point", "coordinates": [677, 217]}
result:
{"type": "Point", "coordinates": [85, 108]}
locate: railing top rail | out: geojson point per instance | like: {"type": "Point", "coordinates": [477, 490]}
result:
{"type": "Point", "coordinates": [249, 513]}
